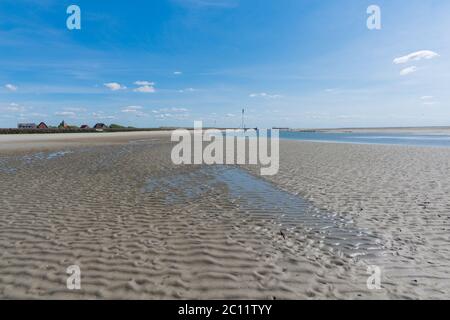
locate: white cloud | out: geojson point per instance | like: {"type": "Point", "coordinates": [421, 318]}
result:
{"type": "Point", "coordinates": [135, 110]}
{"type": "Point", "coordinates": [144, 86]}
{"type": "Point", "coordinates": [264, 95]}
{"type": "Point", "coordinates": [144, 83]}
{"type": "Point", "coordinates": [132, 108]}
{"type": "Point", "coordinates": [177, 73]}
{"type": "Point", "coordinates": [408, 70]}
{"type": "Point", "coordinates": [179, 110]}
{"type": "Point", "coordinates": [114, 86]}
{"type": "Point", "coordinates": [428, 100]}
{"type": "Point", "coordinates": [145, 89]}
{"type": "Point", "coordinates": [163, 110]}
{"type": "Point", "coordinates": [11, 87]}
{"type": "Point", "coordinates": [14, 107]}
{"type": "Point", "coordinates": [76, 109]}
{"type": "Point", "coordinates": [37, 114]}
{"type": "Point", "coordinates": [187, 90]}
{"type": "Point", "coordinates": [101, 115]}
{"type": "Point", "coordinates": [230, 115]}
{"type": "Point", "coordinates": [208, 3]}
{"type": "Point", "coordinates": [171, 113]}
{"type": "Point", "coordinates": [65, 114]}
{"type": "Point", "coordinates": [415, 56]}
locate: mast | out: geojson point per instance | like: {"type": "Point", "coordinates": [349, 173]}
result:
{"type": "Point", "coordinates": [243, 125]}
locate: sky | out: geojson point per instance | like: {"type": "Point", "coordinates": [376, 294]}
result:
{"type": "Point", "coordinates": [289, 63]}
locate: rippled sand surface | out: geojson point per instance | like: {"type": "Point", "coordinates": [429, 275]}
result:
{"type": "Point", "coordinates": [400, 193]}
{"type": "Point", "coordinates": [140, 227]}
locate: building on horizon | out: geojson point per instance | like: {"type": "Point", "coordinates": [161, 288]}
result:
{"type": "Point", "coordinates": [100, 126]}
{"type": "Point", "coordinates": [26, 126]}
{"type": "Point", "coordinates": [42, 125]}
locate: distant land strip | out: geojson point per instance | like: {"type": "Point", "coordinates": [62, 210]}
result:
{"type": "Point", "coordinates": [76, 130]}
{"type": "Point", "coordinates": [91, 130]}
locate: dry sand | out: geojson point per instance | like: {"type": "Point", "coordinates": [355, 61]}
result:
{"type": "Point", "coordinates": [140, 227]}
{"type": "Point", "coordinates": [14, 143]}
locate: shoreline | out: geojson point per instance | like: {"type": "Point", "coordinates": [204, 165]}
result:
{"type": "Point", "coordinates": [411, 130]}
{"type": "Point", "coordinates": [32, 142]}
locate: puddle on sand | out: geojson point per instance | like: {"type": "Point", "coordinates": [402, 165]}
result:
{"type": "Point", "coordinates": [181, 187]}
{"type": "Point", "coordinates": [45, 156]}
{"type": "Point", "coordinates": [252, 195]}
{"type": "Point", "coordinates": [5, 168]}
{"type": "Point", "coordinates": [9, 164]}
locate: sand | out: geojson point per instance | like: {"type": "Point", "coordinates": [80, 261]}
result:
{"type": "Point", "coordinates": [14, 143]}
{"type": "Point", "coordinates": [401, 193]}
{"type": "Point", "coordinates": [140, 227]}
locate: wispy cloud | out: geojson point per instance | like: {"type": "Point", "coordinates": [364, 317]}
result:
{"type": "Point", "coordinates": [416, 56]}
{"type": "Point", "coordinates": [408, 70]}
{"type": "Point", "coordinates": [114, 86]}
{"type": "Point", "coordinates": [11, 87]}
{"type": "Point", "coordinates": [171, 113]}
{"type": "Point", "coordinates": [187, 90]}
{"type": "Point", "coordinates": [144, 86]}
{"type": "Point", "coordinates": [69, 114]}
{"type": "Point", "coordinates": [135, 110]}
{"type": "Point", "coordinates": [14, 107]}
{"type": "Point", "coordinates": [170, 110]}
{"type": "Point", "coordinates": [75, 109]}
{"type": "Point", "coordinates": [208, 3]}
{"type": "Point", "coordinates": [177, 73]}
{"type": "Point", "coordinates": [102, 116]}
{"type": "Point", "coordinates": [264, 95]}
{"type": "Point", "coordinates": [428, 100]}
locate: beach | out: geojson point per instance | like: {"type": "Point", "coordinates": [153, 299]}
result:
{"type": "Point", "coordinates": [398, 192]}
{"type": "Point", "coordinates": [140, 227]}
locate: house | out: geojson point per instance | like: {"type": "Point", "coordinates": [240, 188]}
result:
{"type": "Point", "coordinates": [42, 125]}
{"type": "Point", "coordinates": [26, 126]}
{"type": "Point", "coordinates": [84, 126]}
{"type": "Point", "coordinates": [100, 126]}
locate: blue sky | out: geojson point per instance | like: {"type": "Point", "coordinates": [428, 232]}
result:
{"type": "Point", "coordinates": [290, 63]}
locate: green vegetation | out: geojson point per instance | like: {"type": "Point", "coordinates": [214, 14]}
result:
{"type": "Point", "coordinates": [116, 126]}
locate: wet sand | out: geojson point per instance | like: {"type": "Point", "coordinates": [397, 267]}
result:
{"type": "Point", "coordinates": [140, 227]}
{"type": "Point", "coordinates": [400, 193]}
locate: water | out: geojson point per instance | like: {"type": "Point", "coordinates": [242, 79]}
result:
{"type": "Point", "coordinates": [45, 156]}
{"type": "Point", "coordinates": [7, 163]}
{"type": "Point", "coordinates": [407, 139]}
{"type": "Point", "coordinates": [254, 196]}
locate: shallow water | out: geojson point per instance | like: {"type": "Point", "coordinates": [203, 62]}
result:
{"type": "Point", "coordinates": [46, 156]}
{"type": "Point", "coordinates": [407, 139]}
{"type": "Point", "coordinates": [10, 164]}
{"type": "Point", "coordinates": [255, 196]}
